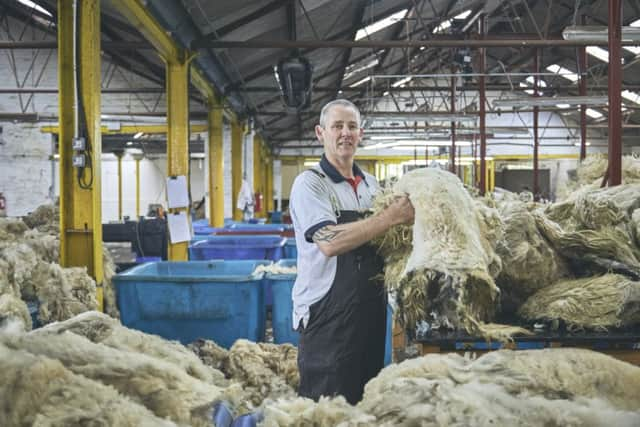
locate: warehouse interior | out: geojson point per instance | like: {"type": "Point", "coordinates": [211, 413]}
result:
{"type": "Point", "coordinates": [512, 125]}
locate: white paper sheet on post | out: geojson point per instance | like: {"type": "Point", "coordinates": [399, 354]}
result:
{"type": "Point", "coordinates": [179, 229]}
{"type": "Point", "coordinates": [177, 192]}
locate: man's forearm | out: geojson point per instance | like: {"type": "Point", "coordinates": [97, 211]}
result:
{"type": "Point", "coordinates": [335, 240]}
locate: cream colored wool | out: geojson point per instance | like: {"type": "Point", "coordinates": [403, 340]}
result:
{"type": "Point", "coordinates": [264, 370]}
{"type": "Point", "coordinates": [538, 387]}
{"type": "Point", "coordinates": [12, 307]}
{"type": "Point", "coordinates": [608, 301]}
{"type": "Point", "coordinates": [529, 261]}
{"type": "Point", "coordinates": [275, 269]}
{"type": "Point", "coordinates": [590, 173]}
{"type": "Point", "coordinates": [162, 387]}
{"type": "Point", "coordinates": [210, 353]}
{"type": "Point", "coordinates": [38, 391]}
{"type": "Point", "coordinates": [46, 218]}
{"type": "Point", "coordinates": [302, 412]}
{"type": "Point", "coordinates": [448, 278]}
{"type": "Point", "coordinates": [109, 290]}
{"type": "Point", "coordinates": [65, 293]}
{"type": "Point", "coordinates": [11, 228]}
{"type": "Point", "coordinates": [102, 329]}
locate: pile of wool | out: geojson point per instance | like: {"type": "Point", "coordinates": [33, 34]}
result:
{"type": "Point", "coordinates": [163, 387]}
{"type": "Point", "coordinates": [102, 329]}
{"type": "Point", "coordinates": [46, 219]}
{"type": "Point", "coordinates": [210, 353]}
{"type": "Point", "coordinates": [39, 391]}
{"type": "Point", "coordinates": [590, 172]}
{"type": "Point", "coordinates": [447, 279]}
{"type": "Point", "coordinates": [302, 412]}
{"type": "Point", "coordinates": [600, 303]}
{"type": "Point", "coordinates": [275, 269]}
{"type": "Point", "coordinates": [541, 387]}
{"type": "Point", "coordinates": [264, 370]}
{"type": "Point", "coordinates": [529, 261]}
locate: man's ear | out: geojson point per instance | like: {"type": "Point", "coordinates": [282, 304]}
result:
{"type": "Point", "coordinates": [319, 133]}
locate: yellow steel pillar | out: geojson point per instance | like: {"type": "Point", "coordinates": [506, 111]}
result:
{"type": "Point", "coordinates": [268, 203]}
{"type": "Point", "coordinates": [258, 166]}
{"type": "Point", "coordinates": [216, 164]}
{"type": "Point", "coordinates": [119, 155]}
{"type": "Point", "coordinates": [80, 192]}
{"type": "Point", "coordinates": [178, 133]}
{"type": "Point", "coordinates": [236, 167]}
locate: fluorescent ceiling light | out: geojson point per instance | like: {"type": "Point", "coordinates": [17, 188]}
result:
{"type": "Point", "coordinates": [599, 53]}
{"type": "Point", "coordinates": [600, 33]}
{"type": "Point", "coordinates": [578, 144]}
{"type": "Point", "coordinates": [563, 106]}
{"type": "Point", "coordinates": [541, 83]}
{"type": "Point", "coordinates": [138, 135]}
{"type": "Point", "coordinates": [631, 96]}
{"type": "Point", "coordinates": [547, 101]}
{"type": "Point", "coordinates": [359, 82]}
{"type": "Point", "coordinates": [35, 6]}
{"type": "Point", "coordinates": [401, 82]}
{"type": "Point", "coordinates": [563, 72]}
{"type": "Point", "coordinates": [379, 25]}
{"type": "Point", "coordinates": [594, 114]}
{"type": "Point", "coordinates": [446, 24]}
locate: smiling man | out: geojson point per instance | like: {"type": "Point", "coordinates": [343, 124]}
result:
{"type": "Point", "coordinates": [339, 303]}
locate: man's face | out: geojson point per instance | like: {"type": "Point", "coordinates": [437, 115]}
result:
{"type": "Point", "coordinates": [341, 133]}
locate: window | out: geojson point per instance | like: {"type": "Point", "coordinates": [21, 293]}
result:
{"type": "Point", "coordinates": [381, 24]}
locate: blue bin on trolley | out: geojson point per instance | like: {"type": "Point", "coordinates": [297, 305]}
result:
{"type": "Point", "coordinates": [216, 300]}
{"type": "Point", "coordinates": [229, 247]}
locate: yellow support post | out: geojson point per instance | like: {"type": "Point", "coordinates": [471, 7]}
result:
{"type": "Point", "coordinates": [80, 198]}
{"type": "Point", "coordinates": [178, 134]}
{"type": "Point", "coordinates": [236, 167]}
{"type": "Point", "coordinates": [258, 182]}
{"type": "Point", "coordinates": [268, 203]}
{"type": "Point", "coordinates": [216, 164]}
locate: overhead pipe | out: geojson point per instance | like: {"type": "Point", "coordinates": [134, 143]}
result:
{"type": "Point", "coordinates": [615, 97]}
{"type": "Point", "coordinates": [396, 44]}
{"type": "Point", "coordinates": [452, 154]}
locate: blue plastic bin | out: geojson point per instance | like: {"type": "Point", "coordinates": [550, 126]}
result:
{"type": "Point", "coordinates": [275, 228]}
{"type": "Point", "coordinates": [282, 307]}
{"type": "Point", "coordinates": [389, 333]}
{"type": "Point", "coordinates": [217, 300]}
{"type": "Point", "coordinates": [143, 259]}
{"type": "Point", "coordinates": [238, 247]}
{"type": "Point", "coordinates": [276, 217]}
{"type": "Point", "coordinates": [33, 307]}
{"type": "Point", "coordinates": [290, 248]}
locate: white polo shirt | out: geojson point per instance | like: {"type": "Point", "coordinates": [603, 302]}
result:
{"type": "Point", "coordinates": [316, 198]}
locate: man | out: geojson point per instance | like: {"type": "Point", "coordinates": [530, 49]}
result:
{"type": "Point", "coordinates": [338, 298]}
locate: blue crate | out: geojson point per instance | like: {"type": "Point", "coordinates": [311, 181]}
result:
{"type": "Point", "coordinates": [275, 228]}
{"type": "Point", "coordinates": [388, 334]}
{"type": "Point", "coordinates": [33, 307]}
{"type": "Point", "coordinates": [276, 217]}
{"type": "Point", "coordinates": [280, 286]}
{"type": "Point", "coordinates": [290, 248]}
{"type": "Point", "coordinates": [143, 259]}
{"type": "Point", "coordinates": [231, 247]}
{"type": "Point", "coordinates": [217, 300]}
{"type": "Point", "coordinates": [494, 345]}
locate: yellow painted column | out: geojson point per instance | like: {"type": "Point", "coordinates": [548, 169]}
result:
{"type": "Point", "coordinates": [258, 182]}
{"type": "Point", "coordinates": [178, 135]}
{"type": "Point", "coordinates": [269, 179]}
{"type": "Point", "coordinates": [236, 167]}
{"type": "Point", "coordinates": [80, 190]}
{"type": "Point", "coordinates": [216, 164]}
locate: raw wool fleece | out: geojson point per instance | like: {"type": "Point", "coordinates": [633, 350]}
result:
{"type": "Point", "coordinates": [264, 370]}
{"type": "Point", "coordinates": [590, 172]}
{"type": "Point", "coordinates": [210, 353]}
{"type": "Point", "coordinates": [303, 412]}
{"type": "Point", "coordinates": [529, 261]}
{"type": "Point", "coordinates": [38, 391]}
{"type": "Point", "coordinates": [600, 303]}
{"type": "Point", "coordinates": [164, 388]}
{"type": "Point", "coordinates": [448, 278]}
{"type": "Point", "coordinates": [541, 387]}
{"type": "Point", "coordinates": [102, 329]}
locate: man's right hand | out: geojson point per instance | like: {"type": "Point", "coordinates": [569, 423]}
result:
{"type": "Point", "coordinates": [400, 211]}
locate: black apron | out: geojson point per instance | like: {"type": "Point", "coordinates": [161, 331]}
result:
{"type": "Point", "coordinates": [342, 347]}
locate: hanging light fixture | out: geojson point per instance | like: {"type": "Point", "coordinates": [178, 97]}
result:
{"type": "Point", "coordinates": [599, 33]}
{"type": "Point", "coordinates": [548, 101]}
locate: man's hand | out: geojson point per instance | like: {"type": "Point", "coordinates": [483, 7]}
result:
{"type": "Point", "coordinates": [400, 211]}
